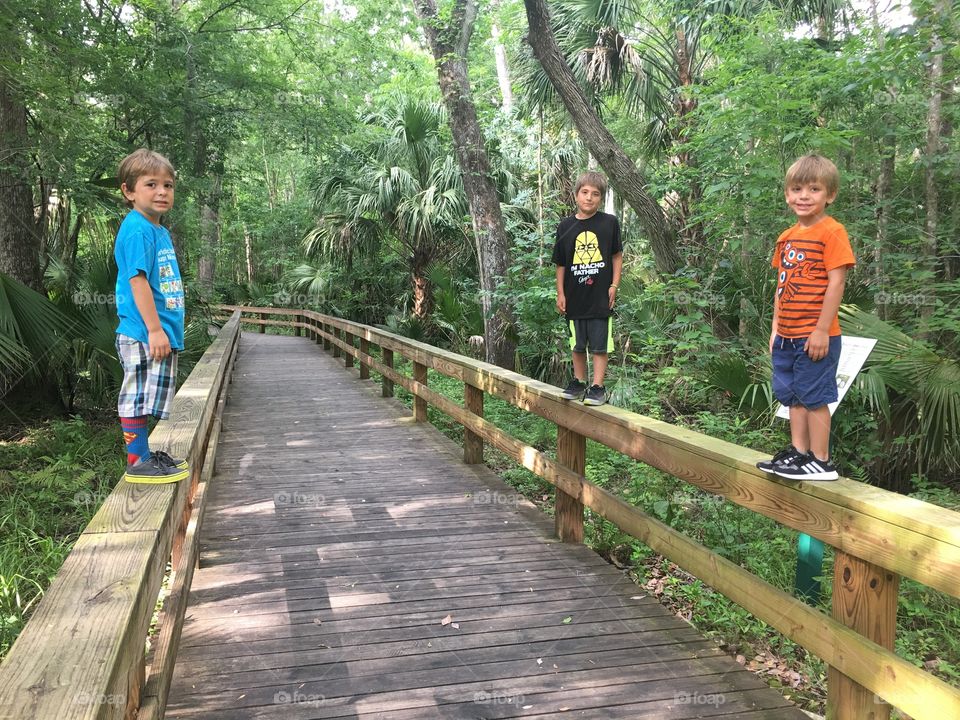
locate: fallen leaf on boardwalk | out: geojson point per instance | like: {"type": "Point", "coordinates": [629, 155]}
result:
{"type": "Point", "coordinates": [539, 661]}
{"type": "Point", "coordinates": [741, 659]}
{"type": "Point", "coordinates": [455, 626]}
{"type": "Point", "coordinates": [447, 620]}
{"type": "Point", "coordinates": [567, 620]}
{"type": "Point", "coordinates": [317, 621]}
{"type": "Point", "coordinates": [527, 707]}
{"type": "Point", "coordinates": [637, 597]}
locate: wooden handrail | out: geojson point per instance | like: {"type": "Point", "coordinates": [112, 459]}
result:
{"type": "Point", "coordinates": [887, 533]}
{"type": "Point", "coordinates": [81, 655]}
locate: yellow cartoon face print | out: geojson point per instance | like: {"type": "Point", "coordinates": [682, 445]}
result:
{"type": "Point", "coordinates": [587, 249]}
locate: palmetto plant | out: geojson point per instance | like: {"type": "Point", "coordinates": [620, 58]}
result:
{"type": "Point", "coordinates": [403, 188]}
{"type": "Point", "coordinates": [915, 394]}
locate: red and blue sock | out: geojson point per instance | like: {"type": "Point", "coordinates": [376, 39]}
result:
{"type": "Point", "coordinates": [135, 436]}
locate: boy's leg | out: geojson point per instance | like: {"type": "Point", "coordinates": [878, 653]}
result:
{"type": "Point", "coordinates": [799, 428]}
{"type": "Point", "coordinates": [599, 362]}
{"type": "Point", "coordinates": [580, 365]}
{"type": "Point", "coordinates": [818, 431]}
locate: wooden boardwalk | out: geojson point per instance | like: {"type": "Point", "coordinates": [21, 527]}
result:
{"type": "Point", "coordinates": [339, 536]}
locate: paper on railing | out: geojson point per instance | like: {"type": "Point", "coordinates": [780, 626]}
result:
{"type": "Point", "coordinates": [854, 352]}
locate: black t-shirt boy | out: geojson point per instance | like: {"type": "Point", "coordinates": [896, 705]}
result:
{"type": "Point", "coordinates": [585, 248]}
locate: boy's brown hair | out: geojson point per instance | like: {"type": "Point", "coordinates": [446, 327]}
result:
{"type": "Point", "coordinates": [594, 179]}
{"type": "Point", "coordinates": [139, 163]}
{"type": "Point", "coordinates": [813, 168]}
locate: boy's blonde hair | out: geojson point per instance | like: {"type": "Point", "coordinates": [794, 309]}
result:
{"type": "Point", "coordinates": [139, 163]}
{"type": "Point", "coordinates": [813, 168]}
{"type": "Point", "coordinates": [594, 179]}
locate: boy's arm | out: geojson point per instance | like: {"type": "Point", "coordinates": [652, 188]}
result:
{"type": "Point", "coordinates": [561, 298]}
{"type": "Point", "coordinates": [819, 341]}
{"type": "Point", "coordinates": [157, 339]}
{"type": "Point", "coordinates": [617, 270]}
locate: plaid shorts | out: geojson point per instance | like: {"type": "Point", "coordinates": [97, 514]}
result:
{"type": "Point", "coordinates": [148, 385]}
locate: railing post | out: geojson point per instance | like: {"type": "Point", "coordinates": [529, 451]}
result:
{"type": "Point", "coordinates": [347, 357]}
{"type": "Point", "coordinates": [865, 600]}
{"type": "Point", "coordinates": [388, 361]}
{"type": "Point", "coordinates": [326, 341]}
{"type": "Point", "coordinates": [263, 328]}
{"type": "Point", "coordinates": [568, 511]}
{"type": "Point", "coordinates": [336, 348]}
{"type": "Point", "coordinates": [296, 326]}
{"type": "Point", "coordinates": [365, 349]}
{"type": "Point", "coordinates": [472, 443]}
{"type": "Point", "coordinates": [419, 404]}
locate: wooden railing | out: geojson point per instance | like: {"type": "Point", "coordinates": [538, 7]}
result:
{"type": "Point", "coordinates": [878, 536]}
{"type": "Point", "coordinates": [82, 653]}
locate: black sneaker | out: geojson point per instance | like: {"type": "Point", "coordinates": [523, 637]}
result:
{"type": "Point", "coordinates": [153, 471]}
{"type": "Point", "coordinates": [596, 395]}
{"type": "Point", "coordinates": [574, 391]}
{"type": "Point", "coordinates": [807, 467]}
{"type": "Point", "coordinates": [169, 461]}
{"type": "Point", "coordinates": [784, 457]}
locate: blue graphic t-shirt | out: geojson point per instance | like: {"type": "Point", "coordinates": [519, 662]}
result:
{"type": "Point", "coordinates": [144, 247]}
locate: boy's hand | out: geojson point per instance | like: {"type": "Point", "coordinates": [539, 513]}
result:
{"type": "Point", "coordinates": [562, 303]}
{"type": "Point", "coordinates": [612, 292]}
{"type": "Point", "coordinates": [159, 344]}
{"type": "Point", "coordinates": [818, 344]}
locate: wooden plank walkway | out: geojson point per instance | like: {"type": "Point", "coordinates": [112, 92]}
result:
{"type": "Point", "coordinates": [339, 534]}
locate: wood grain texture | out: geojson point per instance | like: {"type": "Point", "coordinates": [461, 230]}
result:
{"type": "Point", "coordinates": [349, 533]}
{"type": "Point", "coordinates": [82, 652]}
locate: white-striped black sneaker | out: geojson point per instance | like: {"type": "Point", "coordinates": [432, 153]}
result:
{"type": "Point", "coordinates": [784, 457]}
{"type": "Point", "coordinates": [574, 391]}
{"type": "Point", "coordinates": [807, 467]}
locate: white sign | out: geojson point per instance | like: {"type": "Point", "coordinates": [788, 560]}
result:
{"type": "Point", "coordinates": [854, 352]}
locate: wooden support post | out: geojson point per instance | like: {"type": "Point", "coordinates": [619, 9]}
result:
{"type": "Point", "coordinates": [296, 328]}
{"type": "Point", "coordinates": [347, 357]}
{"type": "Point", "coordinates": [387, 382]}
{"type": "Point", "coordinates": [336, 348]}
{"type": "Point", "coordinates": [568, 511]}
{"type": "Point", "coordinates": [419, 404]}
{"type": "Point", "coordinates": [365, 349]}
{"type": "Point", "coordinates": [263, 328]}
{"type": "Point", "coordinates": [865, 600]}
{"type": "Point", "coordinates": [472, 443]}
{"type": "Point", "coordinates": [326, 341]}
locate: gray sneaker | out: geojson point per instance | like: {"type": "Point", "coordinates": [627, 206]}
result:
{"type": "Point", "coordinates": [165, 459]}
{"type": "Point", "coordinates": [784, 457]}
{"type": "Point", "coordinates": [575, 390]}
{"type": "Point", "coordinates": [596, 395]}
{"type": "Point", "coordinates": [154, 471]}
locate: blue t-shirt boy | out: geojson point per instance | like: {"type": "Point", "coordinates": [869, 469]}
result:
{"type": "Point", "coordinates": [144, 247]}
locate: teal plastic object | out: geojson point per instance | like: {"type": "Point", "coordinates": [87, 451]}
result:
{"type": "Point", "coordinates": [809, 569]}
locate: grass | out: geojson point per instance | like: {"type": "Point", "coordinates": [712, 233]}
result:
{"type": "Point", "coordinates": [928, 622]}
{"type": "Point", "coordinates": [56, 474]}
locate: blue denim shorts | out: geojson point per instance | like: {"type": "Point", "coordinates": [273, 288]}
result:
{"type": "Point", "coordinates": [798, 380]}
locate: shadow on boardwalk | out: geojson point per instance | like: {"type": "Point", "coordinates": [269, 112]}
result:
{"type": "Point", "coordinates": [339, 536]}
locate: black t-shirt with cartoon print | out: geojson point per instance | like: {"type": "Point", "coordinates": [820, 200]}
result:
{"type": "Point", "coordinates": [586, 249]}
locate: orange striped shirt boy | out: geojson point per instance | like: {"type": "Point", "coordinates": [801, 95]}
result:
{"type": "Point", "coordinates": [803, 257]}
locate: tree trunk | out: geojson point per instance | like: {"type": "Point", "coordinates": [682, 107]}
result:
{"type": "Point", "coordinates": [209, 234]}
{"type": "Point", "coordinates": [503, 71]}
{"type": "Point", "coordinates": [248, 251]}
{"type": "Point", "coordinates": [19, 240]}
{"type": "Point", "coordinates": [449, 43]}
{"type": "Point", "coordinates": [623, 173]}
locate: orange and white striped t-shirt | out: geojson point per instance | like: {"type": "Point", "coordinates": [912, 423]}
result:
{"type": "Point", "coordinates": [803, 257]}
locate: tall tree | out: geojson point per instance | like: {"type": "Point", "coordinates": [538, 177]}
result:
{"type": "Point", "coordinates": [623, 172]}
{"type": "Point", "coordinates": [449, 39]}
